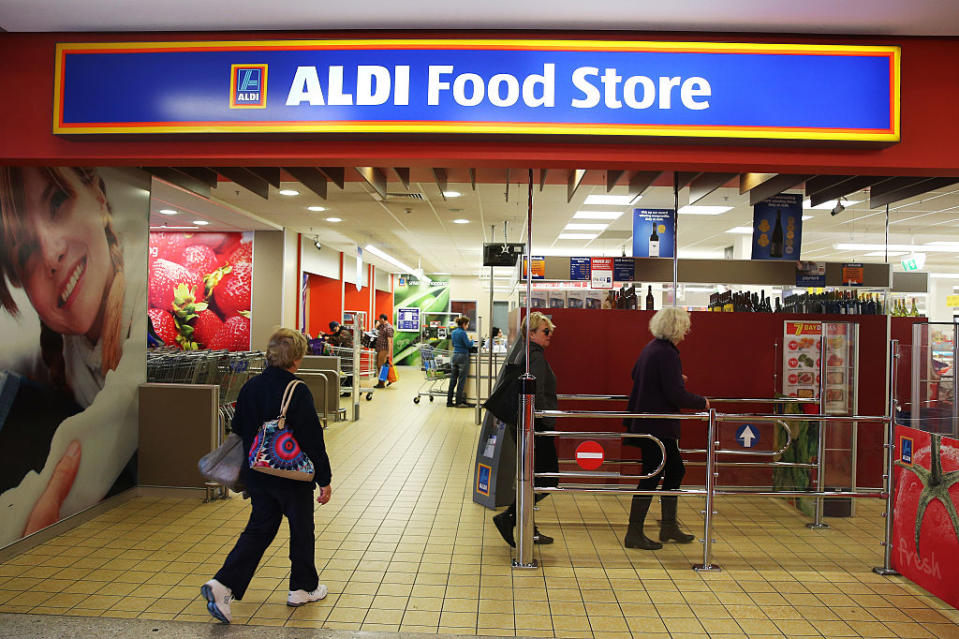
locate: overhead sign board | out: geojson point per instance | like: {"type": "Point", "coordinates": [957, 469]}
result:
{"type": "Point", "coordinates": [552, 87]}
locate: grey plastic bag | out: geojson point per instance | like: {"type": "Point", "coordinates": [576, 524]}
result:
{"type": "Point", "coordinates": [223, 464]}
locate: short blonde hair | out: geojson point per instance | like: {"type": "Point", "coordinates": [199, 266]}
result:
{"type": "Point", "coordinates": [285, 347]}
{"type": "Point", "coordinates": [671, 323]}
{"type": "Point", "coordinates": [535, 320]}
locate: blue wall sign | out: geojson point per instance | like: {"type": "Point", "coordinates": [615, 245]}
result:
{"type": "Point", "coordinates": [579, 268]}
{"type": "Point", "coordinates": [777, 228]}
{"type": "Point", "coordinates": [653, 232]}
{"type": "Point", "coordinates": [566, 87]}
{"type": "Point", "coordinates": [747, 435]}
{"type": "Point", "coordinates": [624, 269]}
{"type": "Point", "coordinates": [905, 450]}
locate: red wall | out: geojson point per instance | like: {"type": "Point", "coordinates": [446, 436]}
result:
{"type": "Point", "coordinates": [355, 300]}
{"type": "Point", "coordinates": [929, 132]}
{"type": "Point", "coordinates": [725, 355]}
{"type": "Point", "coordinates": [324, 295]}
{"type": "Point", "coordinates": [384, 304]}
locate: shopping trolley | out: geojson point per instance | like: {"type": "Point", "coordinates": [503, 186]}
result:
{"type": "Point", "coordinates": [365, 368]}
{"type": "Point", "coordinates": [436, 366]}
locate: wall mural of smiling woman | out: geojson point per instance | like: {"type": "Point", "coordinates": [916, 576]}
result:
{"type": "Point", "coordinates": [73, 253]}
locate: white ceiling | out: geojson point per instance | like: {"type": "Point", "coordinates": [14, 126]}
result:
{"type": "Point", "coordinates": [852, 17]}
{"type": "Point", "coordinates": [422, 232]}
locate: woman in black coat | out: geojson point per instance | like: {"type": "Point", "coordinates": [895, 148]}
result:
{"type": "Point", "coordinates": [659, 386]}
{"type": "Point", "coordinates": [273, 497]}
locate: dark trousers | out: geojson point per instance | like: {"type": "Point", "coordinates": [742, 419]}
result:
{"type": "Point", "coordinates": [545, 460]}
{"type": "Point", "coordinates": [459, 371]}
{"type": "Point", "coordinates": [673, 470]}
{"type": "Point", "coordinates": [269, 506]}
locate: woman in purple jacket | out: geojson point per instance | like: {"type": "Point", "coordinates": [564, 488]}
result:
{"type": "Point", "coordinates": [659, 387]}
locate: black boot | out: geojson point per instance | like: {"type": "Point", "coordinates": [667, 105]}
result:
{"type": "Point", "coordinates": [504, 524]}
{"type": "Point", "coordinates": [635, 537]}
{"type": "Point", "coordinates": [540, 538]}
{"type": "Point", "coordinates": [669, 529]}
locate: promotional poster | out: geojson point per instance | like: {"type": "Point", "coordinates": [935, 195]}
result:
{"type": "Point", "coordinates": [429, 295]}
{"type": "Point", "coordinates": [925, 529]}
{"type": "Point", "coordinates": [653, 232]}
{"type": "Point", "coordinates": [73, 246]}
{"type": "Point", "coordinates": [777, 228]}
{"type": "Point", "coordinates": [200, 289]}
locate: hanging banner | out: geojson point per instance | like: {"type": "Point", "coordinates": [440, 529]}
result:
{"type": "Point", "coordinates": [925, 528]}
{"type": "Point", "coordinates": [624, 269]}
{"type": "Point", "coordinates": [653, 232]}
{"type": "Point", "coordinates": [777, 228]}
{"type": "Point", "coordinates": [554, 87]}
{"type": "Point", "coordinates": [539, 267]}
{"type": "Point", "coordinates": [578, 268]}
{"type": "Point", "coordinates": [852, 274]}
{"type": "Point", "coordinates": [601, 272]}
{"type": "Point", "coordinates": [811, 274]}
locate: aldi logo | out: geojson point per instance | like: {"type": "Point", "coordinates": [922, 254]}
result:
{"type": "Point", "coordinates": [905, 448]}
{"type": "Point", "coordinates": [248, 86]}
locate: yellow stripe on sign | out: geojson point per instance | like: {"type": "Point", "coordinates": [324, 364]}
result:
{"type": "Point", "coordinates": [952, 301]}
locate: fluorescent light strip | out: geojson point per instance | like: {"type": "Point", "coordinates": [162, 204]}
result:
{"type": "Point", "coordinates": [395, 262]}
{"type": "Point", "coordinates": [578, 236]}
{"type": "Point", "coordinates": [174, 228]}
{"type": "Point", "coordinates": [597, 215]}
{"type": "Point", "coordinates": [741, 230]}
{"type": "Point", "coordinates": [909, 248]}
{"type": "Point", "coordinates": [883, 254]}
{"type": "Point", "coordinates": [611, 200]}
{"type": "Point", "coordinates": [828, 206]}
{"type": "Point", "coordinates": [575, 226]}
{"type": "Point", "coordinates": [696, 209]}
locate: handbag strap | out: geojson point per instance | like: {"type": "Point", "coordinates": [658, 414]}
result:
{"type": "Point", "coordinates": [285, 402]}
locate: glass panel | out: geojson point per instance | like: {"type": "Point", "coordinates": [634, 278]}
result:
{"type": "Point", "coordinates": [931, 406]}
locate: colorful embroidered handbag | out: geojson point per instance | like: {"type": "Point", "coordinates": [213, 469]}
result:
{"type": "Point", "coordinates": [275, 451]}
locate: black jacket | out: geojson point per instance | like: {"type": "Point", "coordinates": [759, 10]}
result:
{"type": "Point", "coordinates": [545, 380]}
{"type": "Point", "coordinates": [658, 388]}
{"type": "Point", "coordinates": [259, 401]}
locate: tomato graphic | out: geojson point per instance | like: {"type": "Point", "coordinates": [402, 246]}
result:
{"type": "Point", "coordinates": [793, 378]}
{"type": "Point", "coordinates": [793, 362]}
{"type": "Point", "coordinates": [793, 344]}
{"type": "Point", "coordinates": [925, 542]}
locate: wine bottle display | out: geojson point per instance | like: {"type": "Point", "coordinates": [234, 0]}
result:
{"type": "Point", "coordinates": [654, 242]}
{"type": "Point", "coordinates": [776, 245]}
{"type": "Point", "coordinates": [650, 300]}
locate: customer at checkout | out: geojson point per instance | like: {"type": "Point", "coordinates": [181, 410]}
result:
{"type": "Point", "coordinates": [659, 386]}
{"type": "Point", "coordinates": [460, 365]}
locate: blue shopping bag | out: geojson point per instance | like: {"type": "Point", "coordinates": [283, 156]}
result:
{"type": "Point", "coordinates": [384, 372]}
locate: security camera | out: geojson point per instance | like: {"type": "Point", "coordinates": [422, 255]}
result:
{"type": "Point", "coordinates": [839, 208]}
{"type": "Point", "coordinates": [317, 244]}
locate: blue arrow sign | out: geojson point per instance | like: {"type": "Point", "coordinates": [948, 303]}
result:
{"type": "Point", "coordinates": [747, 436]}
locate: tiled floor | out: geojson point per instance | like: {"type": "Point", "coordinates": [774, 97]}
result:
{"type": "Point", "coordinates": [403, 548]}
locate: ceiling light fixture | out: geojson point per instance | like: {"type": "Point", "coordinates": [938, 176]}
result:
{"type": "Point", "coordinates": [699, 209]}
{"type": "Point", "coordinates": [806, 217]}
{"type": "Point", "coordinates": [404, 268]}
{"type": "Point", "coordinates": [597, 215]}
{"type": "Point", "coordinates": [173, 228]}
{"type": "Point", "coordinates": [611, 200]}
{"type": "Point", "coordinates": [575, 226]}
{"type": "Point", "coordinates": [200, 222]}
{"type": "Point", "coordinates": [334, 219]}
{"type": "Point", "coordinates": [741, 230]}
{"type": "Point", "coordinates": [908, 248]}
{"type": "Point", "coordinates": [578, 236]}
{"type": "Point", "coordinates": [460, 221]}
{"type": "Point", "coordinates": [451, 194]}
{"type": "Point", "coordinates": [288, 192]}
{"type": "Point", "coordinates": [883, 253]}
{"type": "Point", "coordinates": [316, 208]}
{"type": "Point", "coordinates": [167, 211]}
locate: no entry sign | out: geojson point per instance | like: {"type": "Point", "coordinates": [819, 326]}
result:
{"type": "Point", "coordinates": [590, 455]}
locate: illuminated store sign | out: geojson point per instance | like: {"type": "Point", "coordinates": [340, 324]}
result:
{"type": "Point", "coordinates": [569, 87]}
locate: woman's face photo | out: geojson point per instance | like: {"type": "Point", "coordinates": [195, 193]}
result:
{"type": "Point", "coordinates": [67, 267]}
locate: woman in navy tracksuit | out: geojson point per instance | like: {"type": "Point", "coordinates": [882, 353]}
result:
{"type": "Point", "coordinates": [659, 386]}
{"type": "Point", "coordinates": [273, 497]}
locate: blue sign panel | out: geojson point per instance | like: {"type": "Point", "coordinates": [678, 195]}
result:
{"type": "Point", "coordinates": [653, 232]}
{"type": "Point", "coordinates": [666, 89]}
{"type": "Point", "coordinates": [747, 435]}
{"type": "Point", "coordinates": [905, 447]}
{"type": "Point", "coordinates": [579, 268]}
{"type": "Point", "coordinates": [777, 228]}
{"type": "Point", "coordinates": [624, 269]}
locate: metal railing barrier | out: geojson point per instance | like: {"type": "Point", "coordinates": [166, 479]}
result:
{"type": "Point", "coordinates": [526, 477]}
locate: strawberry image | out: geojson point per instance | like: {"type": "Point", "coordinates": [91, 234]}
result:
{"type": "Point", "coordinates": [242, 253]}
{"type": "Point", "coordinates": [219, 242]}
{"type": "Point", "coordinates": [200, 259]}
{"type": "Point", "coordinates": [164, 326]}
{"type": "Point", "coordinates": [233, 292]}
{"type": "Point", "coordinates": [169, 246]}
{"type": "Point", "coordinates": [165, 276]}
{"type": "Point", "coordinates": [233, 336]}
{"type": "Point", "coordinates": [205, 328]}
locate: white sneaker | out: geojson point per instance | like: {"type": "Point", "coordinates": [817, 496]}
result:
{"type": "Point", "coordinates": [300, 597]}
{"type": "Point", "coordinates": [218, 598]}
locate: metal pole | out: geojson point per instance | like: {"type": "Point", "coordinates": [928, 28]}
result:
{"type": "Point", "coordinates": [821, 446]}
{"type": "Point", "coordinates": [711, 475]}
{"type": "Point", "coordinates": [476, 369]}
{"type": "Point", "coordinates": [524, 427]}
{"type": "Point", "coordinates": [489, 382]}
{"type": "Point", "coordinates": [355, 394]}
{"type": "Point", "coordinates": [675, 237]}
{"type": "Point", "coordinates": [890, 446]}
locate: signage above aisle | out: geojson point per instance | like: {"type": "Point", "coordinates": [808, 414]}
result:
{"type": "Point", "coordinates": [551, 87]}
{"type": "Point", "coordinates": [777, 228]}
{"type": "Point", "coordinates": [653, 232]}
